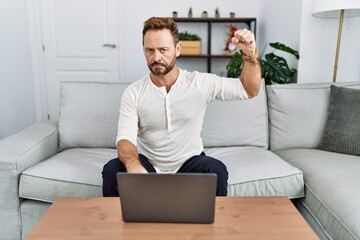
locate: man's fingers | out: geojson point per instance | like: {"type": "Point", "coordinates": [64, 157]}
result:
{"type": "Point", "coordinates": [239, 44]}
{"type": "Point", "coordinates": [244, 36]}
{"type": "Point", "coordinates": [235, 40]}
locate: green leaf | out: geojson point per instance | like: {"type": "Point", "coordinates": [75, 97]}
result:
{"type": "Point", "coordinates": [285, 48]}
{"type": "Point", "coordinates": [275, 69]}
{"type": "Point", "coordinates": [293, 71]}
{"type": "Point", "coordinates": [234, 66]}
{"type": "Point", "coordinates": [188, 36]}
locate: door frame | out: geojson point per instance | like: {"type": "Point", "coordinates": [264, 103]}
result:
{"type": "Point", "coordinates": [38, 60]}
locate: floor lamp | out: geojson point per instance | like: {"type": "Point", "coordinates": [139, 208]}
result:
{"type": "Point", "coordinates": [337, 9]}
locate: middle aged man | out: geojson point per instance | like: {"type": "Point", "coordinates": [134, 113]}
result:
{"type": "Point", "coordinates": [161, 114]}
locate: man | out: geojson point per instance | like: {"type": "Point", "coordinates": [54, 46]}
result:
{"type": "Point", "coordinates": [161, 115]}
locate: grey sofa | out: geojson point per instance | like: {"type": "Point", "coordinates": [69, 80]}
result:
{"type": "Point", "coordinates": [269, 145]}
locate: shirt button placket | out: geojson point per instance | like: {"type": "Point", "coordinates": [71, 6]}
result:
{"type": "Point", "coordinates": [168, 113]}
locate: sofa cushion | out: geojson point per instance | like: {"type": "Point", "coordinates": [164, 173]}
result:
{"type": "Point", "coordinates": [71, 173]}
{"type": "Point", "coordinates": [77, 172]}
{"type": "Point", "coordinates": [256, 171]}
{"type": "Point", "coordinates": [342, 129]}
{"type": "Point", "coordinates": [237, 123]}
{"type": "Point", "coordinates": [332, 193]}
{"type": "Point", "coordinates": [89, 114]}
{"type": "Point", "coordinates": [297, 114]}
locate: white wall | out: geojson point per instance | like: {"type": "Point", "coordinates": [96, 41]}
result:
{"type": "Point", "coordinates": [17, 100]}
{"type": "Point", "coordinates": [318, 44]}
{"type": "Point", "coordinates": [280, 21]}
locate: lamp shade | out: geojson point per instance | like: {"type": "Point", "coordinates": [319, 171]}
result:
{"type": "Point", "coordinates": [331, 8]}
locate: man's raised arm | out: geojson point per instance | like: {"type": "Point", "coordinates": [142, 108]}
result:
{"type": "Point", "coordinates": [251, 72]}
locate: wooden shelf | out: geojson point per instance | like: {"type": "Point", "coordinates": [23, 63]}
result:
{"type": "Point", "coordinates": [222, 55]}
{"type": "Point", "coordinates": [194, 56]}
{"type": "Point", "coordinates": [207, 54]}
{"type": "Point", "coordinates": [225, 20]}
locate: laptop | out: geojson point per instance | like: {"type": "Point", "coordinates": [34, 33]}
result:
{"type": "Point", "coordinates": [168, 198]}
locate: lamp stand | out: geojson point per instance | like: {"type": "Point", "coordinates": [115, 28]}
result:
{"type": "Point", "coordinates": [338, 44]}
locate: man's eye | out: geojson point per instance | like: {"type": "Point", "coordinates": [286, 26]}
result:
{"type": "Point", "coordinates": [164, 50]}
{"type": "Point", "coordinates": [149, 50]}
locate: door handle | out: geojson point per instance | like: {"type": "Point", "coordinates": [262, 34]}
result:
{"type": "Point", "coordinates": [109, 45]}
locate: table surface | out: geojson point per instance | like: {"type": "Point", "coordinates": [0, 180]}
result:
{"type": "Point", "coordinates": [235, 218]}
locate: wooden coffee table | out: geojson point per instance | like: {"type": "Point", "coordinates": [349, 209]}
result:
{"type": "Point", "coordinates": [235, 218]}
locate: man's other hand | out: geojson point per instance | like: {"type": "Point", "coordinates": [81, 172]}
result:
{"type": "Point", "coordinates": [135, 168]}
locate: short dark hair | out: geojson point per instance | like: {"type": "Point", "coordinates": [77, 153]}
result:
{"type": "Point", "coordinates": [158, 23]}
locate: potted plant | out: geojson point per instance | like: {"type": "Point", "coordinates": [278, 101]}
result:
{"type": "Point", "coordinates": [204, 14]}
{"type": "Point", "coordinates": [188, 36]}
{"type": "Point", "coordinates": [190, 12]}
{"type": "Point", "coordinates": [190, 43]}
{"type": "Point", "coordinates": [217, 12]}
{"type": "Point", "coordinates": [274, 69]}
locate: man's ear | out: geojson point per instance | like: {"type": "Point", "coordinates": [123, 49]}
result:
{"type": "Point", "coordinates": [178, 49]}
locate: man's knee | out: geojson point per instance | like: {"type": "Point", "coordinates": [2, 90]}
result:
{"type": "Point", "coordinates": [112, 167]}
{"type": "Point", "coordinates": [219, 168]}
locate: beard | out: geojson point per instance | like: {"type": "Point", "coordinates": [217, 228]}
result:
{"type": "Point", "coordinates": [157, 70]}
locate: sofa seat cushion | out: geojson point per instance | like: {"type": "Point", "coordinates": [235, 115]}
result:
{"type": "Point", "coordinates": [71, 173]}
{"type": "Point", "coordinates": [255, 171]}
{"type": "Point", "coordinates": [331, 188]}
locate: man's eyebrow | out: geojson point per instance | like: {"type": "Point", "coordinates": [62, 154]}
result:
{"type": "Point", "coordinates": [157, 47]}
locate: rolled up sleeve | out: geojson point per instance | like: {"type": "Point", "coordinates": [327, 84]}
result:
{"type": "Point", "coordinates": [220, 88]}
{"type": "Point", "coordinates": [128, 117]}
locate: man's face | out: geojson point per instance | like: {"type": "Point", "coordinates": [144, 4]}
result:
{"type": "Point", "coordinates": [160, 51]}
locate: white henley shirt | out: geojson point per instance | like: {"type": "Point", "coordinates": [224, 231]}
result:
{"type": "Point", "coordinates": [166, 127]}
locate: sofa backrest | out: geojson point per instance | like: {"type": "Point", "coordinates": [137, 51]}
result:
{"type": "Point", "coordinates": [89, 114]}
{"type": "Point", "coordinates": [298, 113]}
{"type": "Point", "coordinates": [237, 123]}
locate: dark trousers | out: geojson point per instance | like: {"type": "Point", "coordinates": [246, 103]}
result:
{"type": "Point", "coordinates": [197, 164]}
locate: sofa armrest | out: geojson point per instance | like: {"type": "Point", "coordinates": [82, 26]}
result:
{"type": "Point", "coordinates": [17, 153]}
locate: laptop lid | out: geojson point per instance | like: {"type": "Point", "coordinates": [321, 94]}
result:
{"type": "Point", "coordinates": [175, 198]}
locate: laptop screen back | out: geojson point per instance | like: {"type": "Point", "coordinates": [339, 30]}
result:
{"type": "Point", "coordinates": [182, 197]}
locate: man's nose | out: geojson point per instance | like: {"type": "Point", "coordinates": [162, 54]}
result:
{"type": "Point", "coordinates": [157, 56]}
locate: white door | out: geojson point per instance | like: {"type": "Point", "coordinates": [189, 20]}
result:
{"type": "Point", "coordinates": [79, 43]}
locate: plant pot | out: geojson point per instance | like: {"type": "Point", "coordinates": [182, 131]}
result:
{"type": "Point", "coordinates": [190, 47]}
